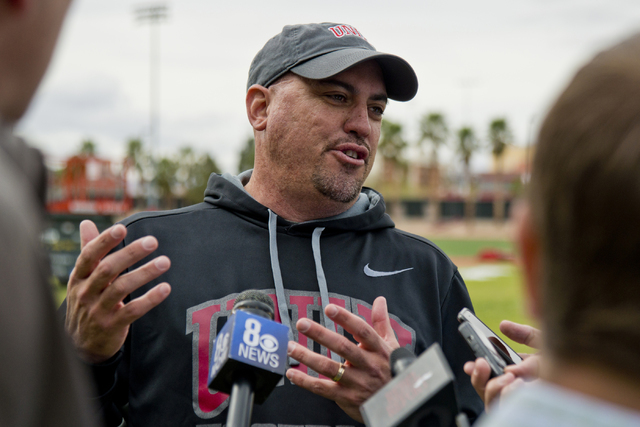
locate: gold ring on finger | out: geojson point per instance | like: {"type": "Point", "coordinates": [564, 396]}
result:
{"type": "Point", "coordinates": [338, 376]}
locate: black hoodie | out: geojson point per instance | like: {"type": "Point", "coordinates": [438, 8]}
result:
{"type": "Point", "coordinates": [230, 243]}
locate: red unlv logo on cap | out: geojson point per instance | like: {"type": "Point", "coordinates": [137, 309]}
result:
{"type": "Point", "coordinates": [345, 30]}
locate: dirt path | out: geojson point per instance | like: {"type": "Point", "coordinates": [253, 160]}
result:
{"type": "Point", "coordinates": [480, 229]}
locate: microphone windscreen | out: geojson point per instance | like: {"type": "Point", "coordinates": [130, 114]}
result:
{"type": "Point", "coordinates": [400, 359]}
{"type": "Point", "coordinates": [255, 302]}
{"type": "Point", "coordinates": [253, 295]}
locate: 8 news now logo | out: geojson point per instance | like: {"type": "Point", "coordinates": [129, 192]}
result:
{"type": "Point", "coordinates": [250, 340]}
{"type": "Point", "coordinates": [256, 347]}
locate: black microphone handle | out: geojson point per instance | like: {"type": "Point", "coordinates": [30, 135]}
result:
{"type": "Point", "coordinates": [240, 402]}
{"type": "Point", "coordinates": [244, 382]}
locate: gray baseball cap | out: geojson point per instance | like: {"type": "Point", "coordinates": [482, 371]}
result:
{"type": "Point", "coordinates": [319, 51]}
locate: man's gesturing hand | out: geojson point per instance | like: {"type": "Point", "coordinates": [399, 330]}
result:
{"type": "Point", "coordinates": [97, 319]}
{"type": "Point", "coordinates": [366, 364]}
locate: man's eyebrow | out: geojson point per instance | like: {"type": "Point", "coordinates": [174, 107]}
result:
{"type": "Point", "coordinates": [349, 88]}
{"type": "Point", "coordinates": [380, 97]}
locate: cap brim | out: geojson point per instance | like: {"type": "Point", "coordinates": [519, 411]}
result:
{"type": "Point", "coordinates": [399, 78]}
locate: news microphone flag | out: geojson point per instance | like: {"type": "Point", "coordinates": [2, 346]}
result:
{"type": "Point", "coordinates": [249, 342]}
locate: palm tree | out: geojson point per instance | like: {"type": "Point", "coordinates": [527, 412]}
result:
{"type": "Point", "coordinates": [137, 158]}
{"type": "Point", "coordinates": [392, 144]}
{"type": "Point", "coordinates": [88, 148]}
{"type": "Point", "coordinates": [165, 179]}
{"type": "Point", "coordinates": [135, 153]}
{"type": "Point", "coordinates": [193, 174]}
{"type": "Point", "coordinates": [434, 130]}
{"type": "Point", "coordinates": [500, 137]}
{"type": "Point", "coordinates": [391, 148]}
{"type": "Point", "coordinates": [467, 145]}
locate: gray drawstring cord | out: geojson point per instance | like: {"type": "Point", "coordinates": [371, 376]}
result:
{"type": "Point", "coordinates": [277, 279]}
{"type": "Point", "coordinates": [322, 284]}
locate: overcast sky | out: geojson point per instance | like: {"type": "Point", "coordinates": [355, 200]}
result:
{"type": "Point", "coordinates": [475, 61]}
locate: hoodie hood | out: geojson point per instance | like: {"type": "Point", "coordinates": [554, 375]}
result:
{"type": "Point", "coordinates": [226, 191]}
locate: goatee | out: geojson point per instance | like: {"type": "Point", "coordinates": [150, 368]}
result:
{"type": "Point", "coordinates": [338, 187]}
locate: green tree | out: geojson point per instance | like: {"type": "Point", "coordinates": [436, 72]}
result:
{"type": "Point", "coordinates": [138, 159]}
{"type": "Point", "coordinates": [88, 148]}
{"type": "Point", "coordinates": [247, 155]}
{"type": "Point", "coordinates": [468, 144]}
{"type": "Point", "coordinates": [392, 144]}
{"type": "Point", "coordinates": [135, 153]}
{"type": "Point", "coordinates": [435, 133]}
{"type": "Point", "coordinates": [165, 180]}
{"type": "Point", "coordinates": [180, 177]}
{"type": "Point", "coordinates": [500, 137]}
{"type": "Point", "coordinates": [193, 174]}
{"type": "Point", "coordinates": [391, 147]}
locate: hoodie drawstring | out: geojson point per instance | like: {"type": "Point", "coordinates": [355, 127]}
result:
{"type": "Point", "coordinates": [322, 283]}
{"type": "Point", "coordinates": [285, 319]}
{"type": "Point", "coordinates": [277, 275]}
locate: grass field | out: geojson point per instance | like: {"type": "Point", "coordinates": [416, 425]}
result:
{"type": "Point", "coordinates": [495, 287]}
{"type": "Point", "coordinates": [499, 298]}
{"type": "Point", "coordinates": [454, 247]}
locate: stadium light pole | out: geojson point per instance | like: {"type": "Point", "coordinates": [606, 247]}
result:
{"type": "Point", "coordinates": [153, 14]}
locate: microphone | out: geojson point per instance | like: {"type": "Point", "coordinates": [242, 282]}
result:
{"type": "Point", "coordinates": [248, 356]}
{"type": "Point", "coordinates": [400, 360]}
{"type": "Point", "coordinates": [422, 393]}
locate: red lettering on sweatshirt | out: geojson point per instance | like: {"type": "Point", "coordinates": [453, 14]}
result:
{"type": "Point", "coordinates": [302, 302]}
{"type": "Point", "coordinates": [403, 335]}
{"type": "Point", "coordinates": [207, 401]}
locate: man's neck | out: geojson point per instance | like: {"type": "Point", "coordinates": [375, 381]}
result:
{"type": "Point", "coordinates": [592, 380]}
{"type": "Point", "coordinates": [292, 206]}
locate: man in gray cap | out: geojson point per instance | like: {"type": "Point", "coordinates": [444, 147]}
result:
{"type": "Point", "coordinates": [302, 229]}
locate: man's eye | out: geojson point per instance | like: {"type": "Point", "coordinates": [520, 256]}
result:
{"type": "Point", "coordinates": [378, 110]}
{"type": "Point", "coordinates": [337, 97]}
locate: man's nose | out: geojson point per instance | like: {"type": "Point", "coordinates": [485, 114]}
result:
{"type": "Point", "coordinates": [358, 121]}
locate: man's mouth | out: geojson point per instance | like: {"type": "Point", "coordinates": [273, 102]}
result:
{"type": "Point", "coordinates": [351, 154]}
{"type": "Point", "coordinates": [353, 151]}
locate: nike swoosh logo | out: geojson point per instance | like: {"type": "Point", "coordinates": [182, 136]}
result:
{"type": "Point", "coordinates": [372, 273]}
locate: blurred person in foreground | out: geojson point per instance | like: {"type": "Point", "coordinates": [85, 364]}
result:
{"type": "Point", "coordinates": [41, 382]}
{"type": "Point", "coordinates": [580, 247]}
{"type": "Point", "coordinates": [301, 228]}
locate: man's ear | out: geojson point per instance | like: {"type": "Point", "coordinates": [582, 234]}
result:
{"type": "Point", "coordinates": [528, 241]}
{"type": "Point", "coordinates": [257, 101]}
